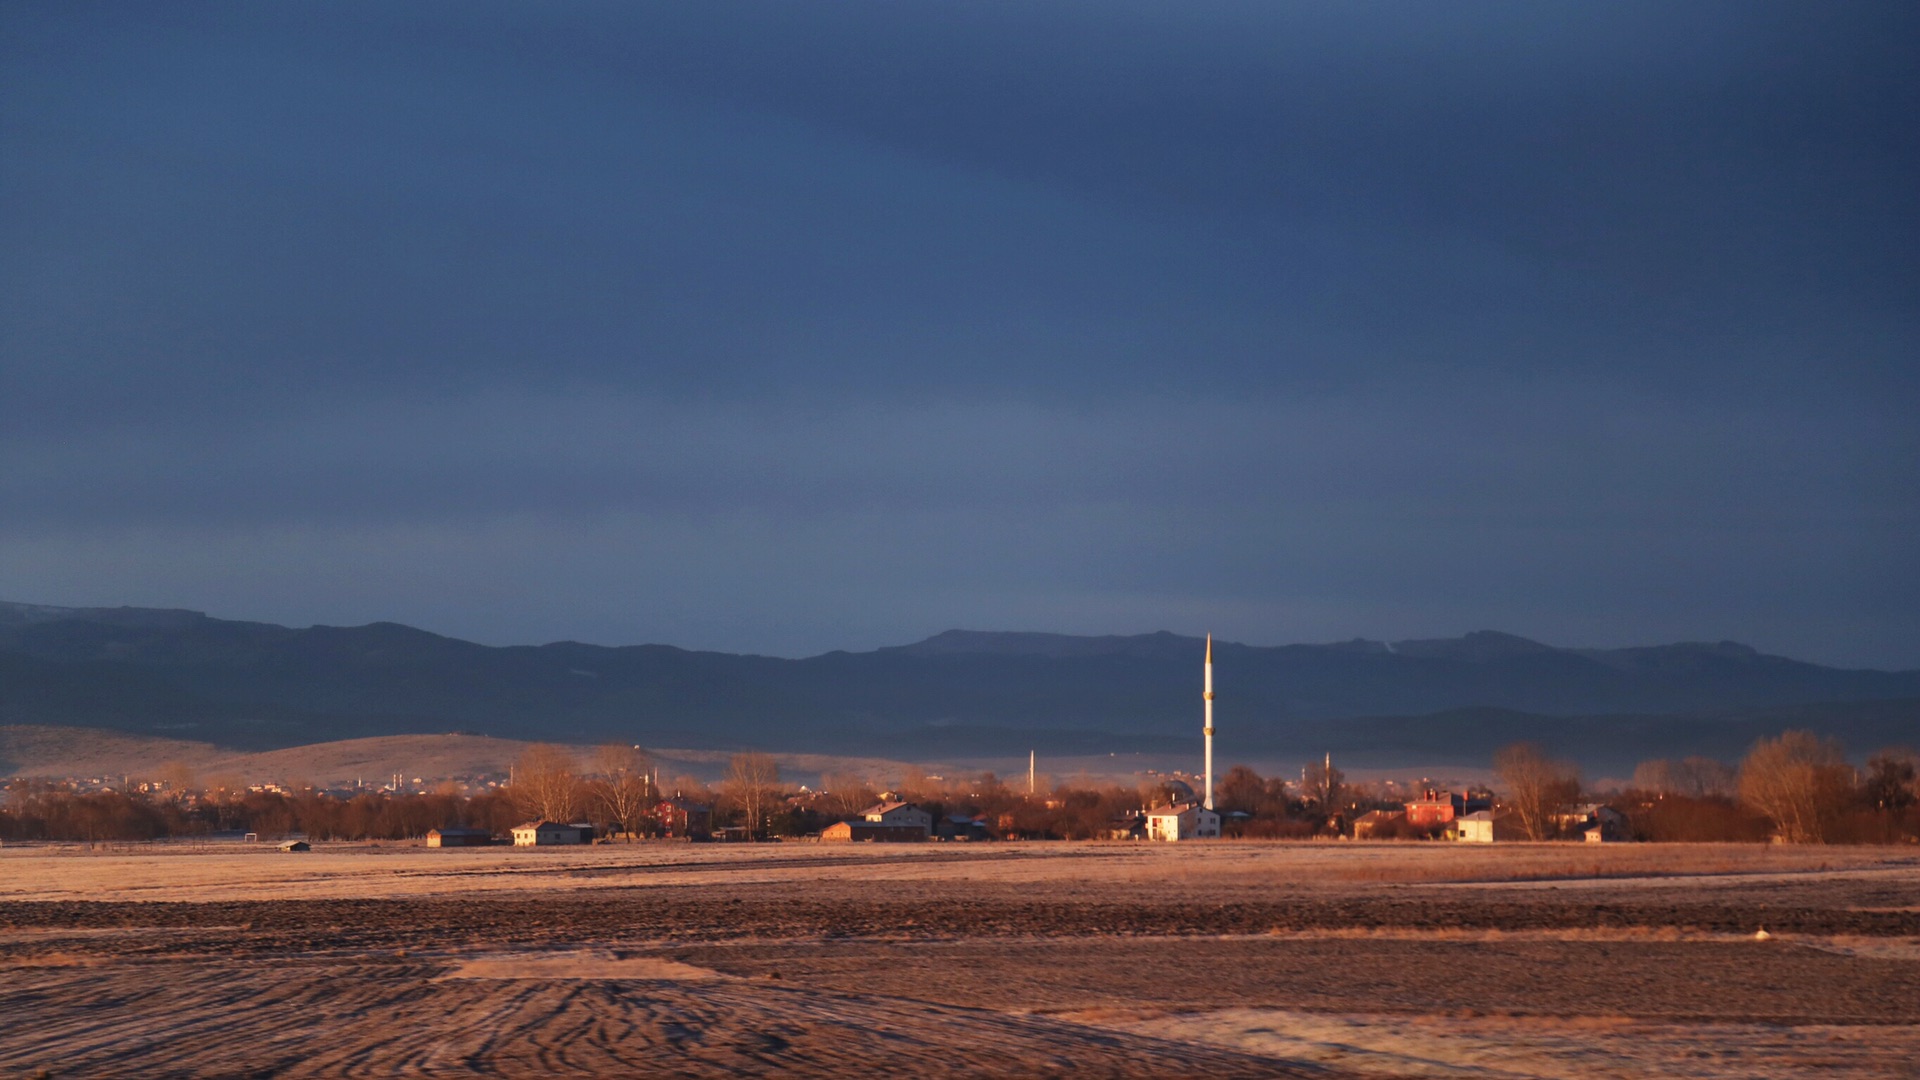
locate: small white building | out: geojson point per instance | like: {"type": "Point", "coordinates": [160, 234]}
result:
{"type": "Point", "coordinates": [1484, 827]}
{"type": "Point", "coordinates": [1183, 821]}
{"type": "Point", "coordinates": [1475, 828]}
{"type": "Point", "coordinates": [898, 815]}
{"type": "Point", "coordinates": [545, 833]}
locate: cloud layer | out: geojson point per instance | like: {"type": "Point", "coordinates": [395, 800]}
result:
{"type": "Point", "coordinates": [789, 328]}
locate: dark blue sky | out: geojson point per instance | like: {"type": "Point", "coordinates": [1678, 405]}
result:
{"type": "Point", "coordinates": [791, 327]}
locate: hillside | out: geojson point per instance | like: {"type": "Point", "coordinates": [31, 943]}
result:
{"type": "Point", "coordinates": [256, 686]}
{"type": "Point", "coordinates": [39, 751]}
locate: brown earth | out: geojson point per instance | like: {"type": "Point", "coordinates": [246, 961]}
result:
{"type": "Point", "coordinates": [37, 750]}
{"type": "Point", "coordinates": [1235, 960]}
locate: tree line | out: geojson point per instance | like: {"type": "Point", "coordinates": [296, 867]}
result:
{"type": "Point", "coordinates": [1797, 787]}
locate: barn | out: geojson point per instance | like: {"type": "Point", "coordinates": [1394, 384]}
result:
{"type": "Point", "coordinates": [887, 822]}
{"type": "Point", "coordinates": [458, 837]}
{"type": "Point", "coordinates": [544, 834]}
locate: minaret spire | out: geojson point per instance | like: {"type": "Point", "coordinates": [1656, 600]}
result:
{"type": "Point", "coordinates": [1208, 697]}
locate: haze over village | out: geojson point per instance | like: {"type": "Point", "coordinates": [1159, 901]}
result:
{"type": "Point", "coordinates": [477, 786]}
{"type": "Point", "coordinates": [977, 540]}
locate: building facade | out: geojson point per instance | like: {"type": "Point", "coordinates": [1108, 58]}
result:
{"type": "Point", "coordinates": [1183, 821]}
{"type": "Point", "coordinates": [545, 834]}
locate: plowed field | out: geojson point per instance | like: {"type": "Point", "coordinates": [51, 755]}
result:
{"type": "Point", "coordinates": [1116, 960]}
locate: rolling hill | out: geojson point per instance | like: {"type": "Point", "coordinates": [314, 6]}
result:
{"type": "Point", "coordinates": [258, 686]}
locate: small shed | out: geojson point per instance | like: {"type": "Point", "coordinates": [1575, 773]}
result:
{"type": "Point", "coordinates": [296, 845]}
{"type": "Point", "coordinates": [459, 837]}
{"type": "Point", "coordinates": [962, 827]}
{"type": "Point", "coordinates": [857, 830]}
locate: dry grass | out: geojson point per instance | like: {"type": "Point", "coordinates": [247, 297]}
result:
{"type": "Point", "coordinates": [1227, 870]}
{"type": "Point", "coordinates": [1439, 862]}
{"type": "Point", "coordinates": [1026, 959]}
{"type": "Point", "coordinates": [36, 750]}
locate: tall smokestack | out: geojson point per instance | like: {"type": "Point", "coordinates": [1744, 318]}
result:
{"type": "Point", "coordinates": [1031, 754]}
{"type": "Point", "coordinates": [1208, 696]}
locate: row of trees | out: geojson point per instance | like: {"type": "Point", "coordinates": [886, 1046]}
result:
{"type": "Point", "coordinates": [617, 791]}
{"type": "Point", "coordinates": [1797, 786]}
{"type": "Point", "coordinates": [45, 812]}
{"type": "Point", "coordinates": [1803, 783]}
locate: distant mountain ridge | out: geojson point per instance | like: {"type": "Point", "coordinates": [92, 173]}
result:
{"type": "Point", "coordinates": [259, 685]}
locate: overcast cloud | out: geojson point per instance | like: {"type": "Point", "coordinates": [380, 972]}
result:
{"type": "Point", "coordinates": [786, 328]}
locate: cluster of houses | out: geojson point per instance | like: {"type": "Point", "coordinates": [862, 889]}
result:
{"type": "Point", "coordinates": [1471, 819]}
{"type": "Point", "coordinates": [1452, 815]}
{"type": "Point", "coordinates": [1180, 819]}
{"type": "Point", "coordinates": [677, 819]}
{"type": "Point", "coordinates": [886, 822]}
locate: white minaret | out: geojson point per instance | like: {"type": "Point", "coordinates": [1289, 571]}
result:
{"type": "Point", "coordinates": [1208, 697]}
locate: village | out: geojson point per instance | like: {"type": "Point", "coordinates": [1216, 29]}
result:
{"type": "Point", "coordinates": [1795, 788]}
{"type": "Point", "coordinates": [565, 796]}
{"type": "Point", "coordinates": [1436, 815]}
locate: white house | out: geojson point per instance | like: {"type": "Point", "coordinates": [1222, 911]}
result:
{"type": "Point", "coordinates": [1182, 821]}
{"type": "Point", "coordinates": [1475, 828]}
{"type": "Point", "coordinates": [544, 833]}
{"type": "Point", "coordinates": [898, 815]}
{"type": "Point", "coordinates": [1482, 827]}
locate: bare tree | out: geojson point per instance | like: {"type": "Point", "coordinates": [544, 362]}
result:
{"type": "Point", "coordinates": [621, 790]}
{"type": "Point", "coordinates": [1705, 778]}
{"type": "Point", "coordinates": [845, 794]}
{"type": "Point", "coordinates": [1243, 790]}
{"type": "Point", "coordinates": [1893, 779]}
{"type": "Point", "coordinates": [1658, 776]}
{"type": "Point", "coordinates": [1695, 777]}
{"type": "Point", "coordinates": [1538, 787]}
{"type": "Point", "coordinates": [753, 783]}
{"type": "Point", "coordinates": [916, 785]}
{"type": "Point", "coordinates": [546, 784]}
{"type": "Point", "coordinates": [1323, 782]}
{"type": "Point", "coordinates": [1799, 780]}
{"type": "Point", "coordinates": [179, 778]}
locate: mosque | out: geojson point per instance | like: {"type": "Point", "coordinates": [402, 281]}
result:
{"type": "Point", "coordinates": [1192, 819]}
